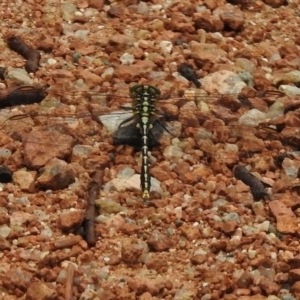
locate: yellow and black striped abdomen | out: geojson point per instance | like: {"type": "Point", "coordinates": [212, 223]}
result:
{"type": "Point", "coordinates": [144, 107]}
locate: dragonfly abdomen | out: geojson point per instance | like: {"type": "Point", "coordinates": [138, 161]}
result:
{"type": "Point", "coordinates": [144, 107]}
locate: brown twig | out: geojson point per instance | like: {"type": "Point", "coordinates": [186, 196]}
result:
{"type": "Point", "coordinates": [67, 242]}
{"type": "Point", "coordinates": [22, 95]}
{"type": "Point", "coordinates": [256, 186]}
{"type": "Point", "coordinates": [89, 219]}
{"type": "Point", "coordinates": [69, 281]}
{"type": "Point", "coordinates": [32, 55]}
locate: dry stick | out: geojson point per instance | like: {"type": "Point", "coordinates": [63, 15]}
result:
{"type": "Point", "coordinates": [256, 186]}
{"type": "Point", "coordinates": [33, 56]}
{"type": "Point", "coordinates": [69, 281]}
{"type": "Point", "coordinates": [89, 219]}
{"type": "Point", "coordinates": [22, 95]}
{"type": "Point", "coordinates": [67, 242]}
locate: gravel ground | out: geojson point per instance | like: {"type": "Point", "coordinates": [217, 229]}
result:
{"type": "Point", "coordinates": [207, 235]}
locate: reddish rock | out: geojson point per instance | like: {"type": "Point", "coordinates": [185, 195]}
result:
{"type": "Point", "coordinates": [102, 161]}
{"type": "Point", "coordinates": [119, 42]}
{"type": "Point", "coordinates": [261, 260]}
{"type": "Point", "coordinates": [200, 171]}
{"type": "Point", "coordinates": [141, 285]}
{"type": "Point", "coordinates": [124, 159]}
{"type": "Point", "coordinates": [130, 73]}
{"type": "Point", "coordinates": [117, 11]}
{"type": "Point", "coordinates": [288, 256]}
{"type": "Point", "coordinates": [159, 202]}
{"type": "Point", "coordinates": [294, 262]}
{"type": "Point", "coordinates": [261, 105]}
{"type": "Point", "coordinates": [160, 174]}
{"type": "Point", "coordinates": [231, 16]}
{"type": "Point", "coordinates": [25, 240]}
{"type": "Point", "coordinates": [254, 297]}
{"type": "Point", "coordinates": [146, 296]}
{"type": "Point", "coordinates": [4, 244]}
{"type": "Point", "coordinates": [157, 262]}
{"type": "Point", "coordinates": [4, 218]}
{"type": "Point", "coordinates": [138, 53]}
{"type": "Point", "coordinates": [198, 259]}
{"type": "Point", "coordinates": [240, 197]}
{"type": "Point", "coordinates": [294, 275]}
{"type": "Point", "coordinates": [129, 2]}
{"type": "Point", "coordinates": [19, 218]}
{"type": "Point", "coordinates": [222, 81]}
{"type": "Point", "coordinates": [295, 288]}
{"type": "Point", "coordinates": [131, 252]}
{"type": "Point", "coordinates": [63, 74]}
{"type": "Point", "coordinates": [43, 145]}
{"type": "Point", "coordinates": [211, 4]}
{"type": "Point", "coordinates": [16, 278]}
{"type": "Point", "coordinates": [158, 59]}
{"type": "Point", "coordinates": [160, 242]}
{"type": "Point", "coordinates": [98, 4]}
{"type": "Point", "coordinates": [24, 179]}
{"type": "Point", "coordinates": [190, 232]}
{"type": "Point", "coordinates": [15, 161]}
{"type": "Point", "coordinates": [283, 184]}
{"type": "Point", "coordinates": [56, 175]}
{"type": "Point", "coordinates": [290, 200]}
{"type": "Point", "coordinates": [208, 22]}
{"type": "Point", "coordinates": [47, 275]}
{"type": "Point", "coordinates": [84, 49]}
{"type": "Point", "coordinates": [182, 27]}
{"type": "Point", "coordinates": [90, 78]}
{"type": "Point", "coordinates": [185, 7]}
{"type": "Point", "coordinates": [187, 115]}
{"type": "Point", "coordinates": [46, 43]}
{"type": "Point", "coordinates": [291, 167]}
{"type": "Point", "coordinates": [242, 292]}
{"type": "Point", "coordinates": [259, 209]}
{"type": "Point", "coordinates": [114, 260]}
{"type": "Point", "coordinates": [3, 202]}
{"type": "Point", "coordinates": [251, 144]}
{"type": "Point", "coordinates": [182, 169]}
{"type": "Point", "coordinates": [286, 220]}
{"type": "Point", "coordinates": [70, 221]}
{"type": "Point", "coordinates": [179, 23]}
{"type": "Point", "coordinates": [275, 3]}
{"type": "Point", "coordinates": [129, 228]}
{"type": "Point", "coordinates": [4, 139]}
{"type": "Point", "coordinates": [40, 291]}
{"type": "Point", "coordinates": [229, 227]}
{"type": "Point", "coordinates": [245, 280]}
{"type": "Point", "coordinates": [219, 245]}
{"type": "Point", "coordinates": [269, 286]}
{"type": "Point", "coordinates": [281, 278]}
{"type": "Point", "coordinates": [206, 54]}
{"type": "Point", "coordinates": [290, 133]}
{"type": "Point", "coordinates": [281, 267]}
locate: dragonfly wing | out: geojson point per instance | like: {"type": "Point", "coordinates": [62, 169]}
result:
{"type": "Point", "coordinates": [112, 121]}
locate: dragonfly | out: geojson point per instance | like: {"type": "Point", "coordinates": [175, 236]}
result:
{"type": "Point", "coordinates": [205, 128]}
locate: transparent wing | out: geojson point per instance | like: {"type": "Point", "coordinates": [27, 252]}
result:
{"type": "Point", "coordinates": [104, 112]}
{"type": "Point", "coordinates": [193, 126]}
